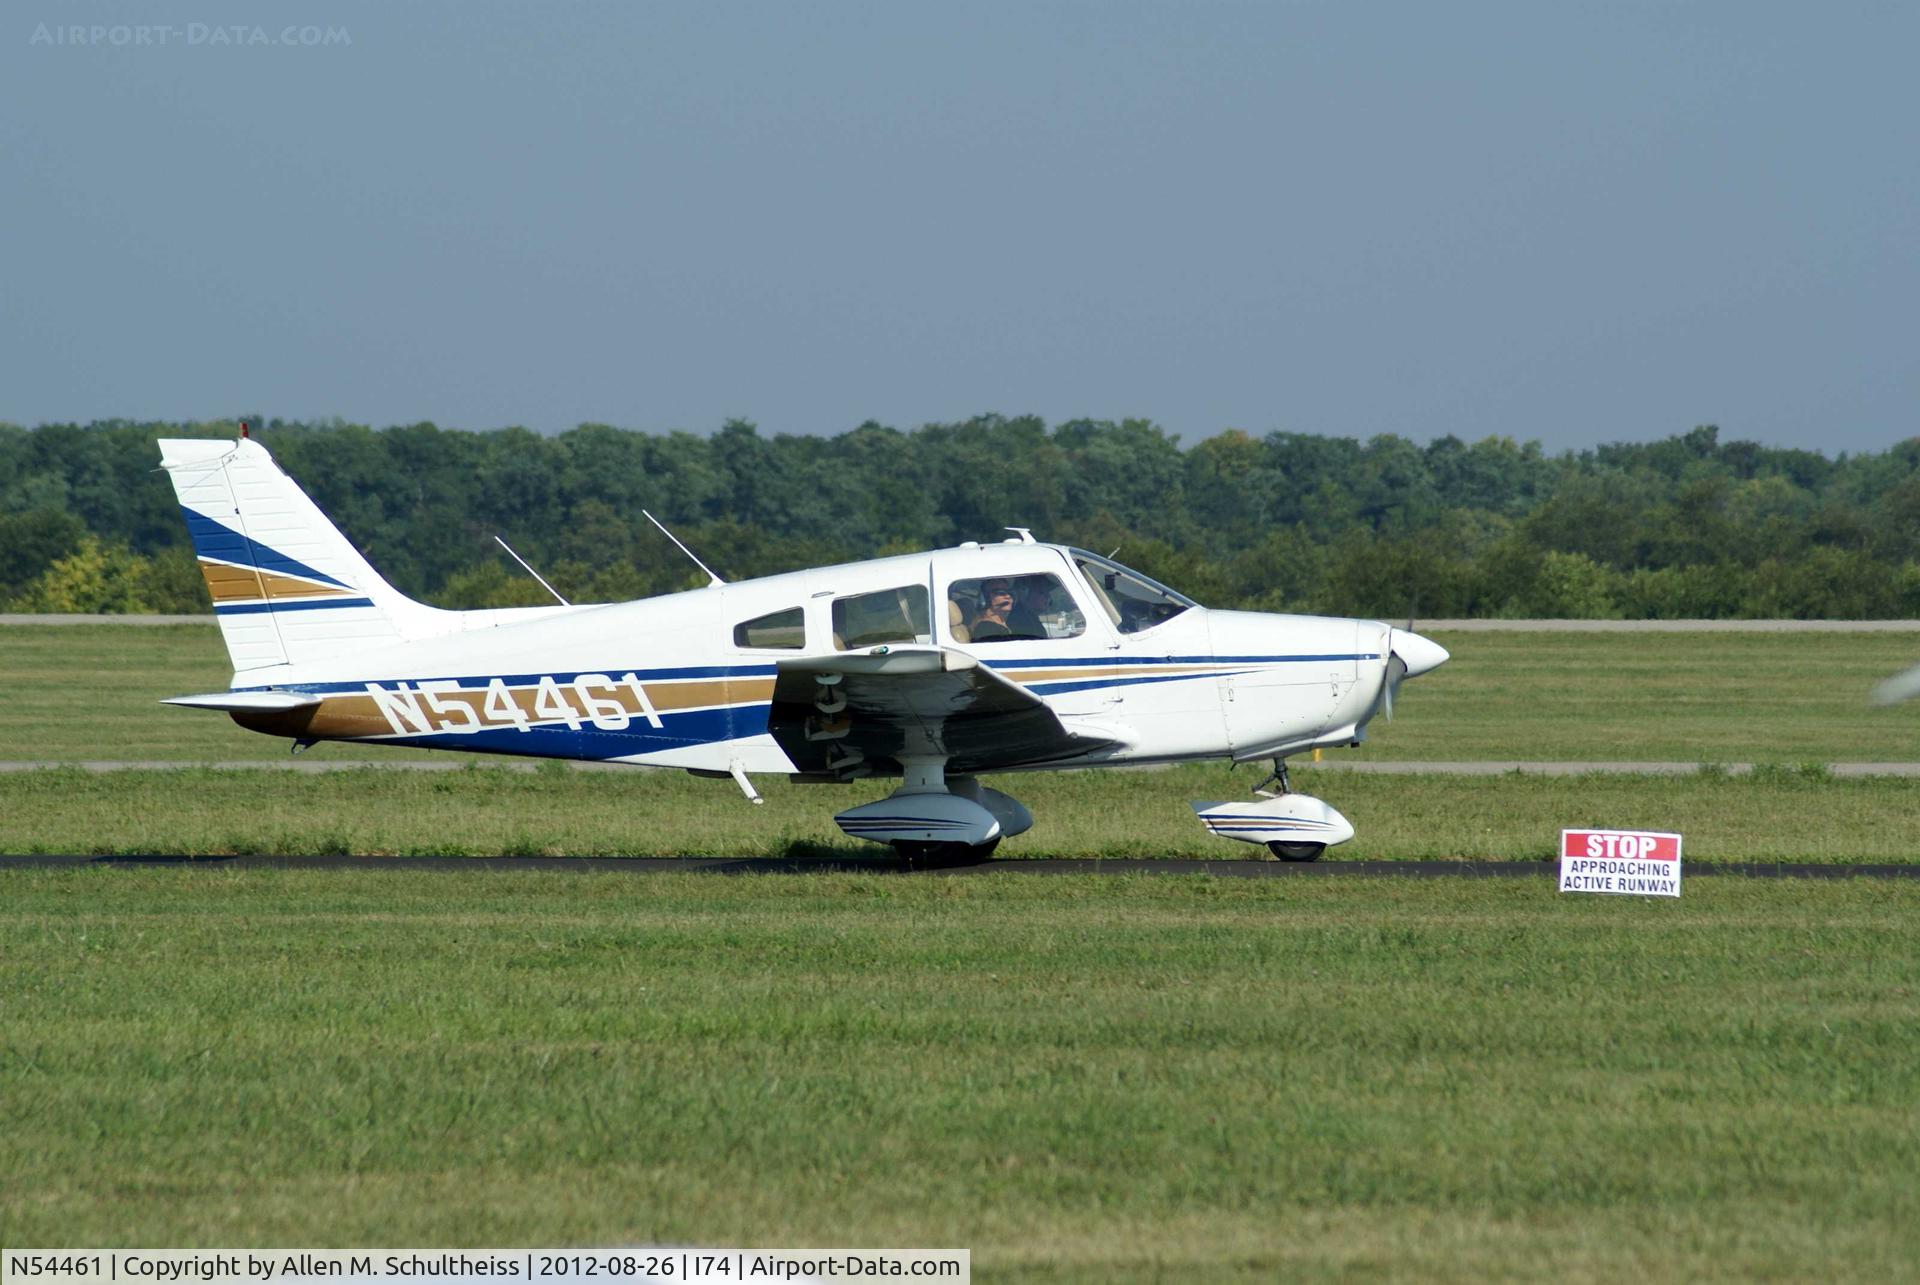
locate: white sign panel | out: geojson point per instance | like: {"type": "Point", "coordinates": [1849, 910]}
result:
{"type": "Point", "coordinates": [1639, 863]}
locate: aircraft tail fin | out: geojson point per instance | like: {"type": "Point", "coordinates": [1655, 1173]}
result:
{"type": "Point", "coordinates": [287, 587]}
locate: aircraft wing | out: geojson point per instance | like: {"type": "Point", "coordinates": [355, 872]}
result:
{"type": "Point", "coordinates": [834, 713]}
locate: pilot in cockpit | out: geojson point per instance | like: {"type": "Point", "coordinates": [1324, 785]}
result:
{"type": "Point", "coordinates": [996, 605]}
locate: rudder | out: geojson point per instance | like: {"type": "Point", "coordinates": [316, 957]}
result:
{"type": "Point", "coordinates": [287, 587]}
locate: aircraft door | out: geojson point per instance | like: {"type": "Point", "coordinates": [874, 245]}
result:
{"type": "Point", "coordinates": [1023, 618]}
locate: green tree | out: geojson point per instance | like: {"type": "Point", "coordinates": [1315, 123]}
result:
{"type": "Point", "coordinates": [94, 578]}
{"type": "Point", "coordinates": [30, 542]}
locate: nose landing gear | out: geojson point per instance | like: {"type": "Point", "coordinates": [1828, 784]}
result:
{"type": "Point", "coordinates": [1277, 777]}
{"type": "Point", "coordinates": [1293, 827]}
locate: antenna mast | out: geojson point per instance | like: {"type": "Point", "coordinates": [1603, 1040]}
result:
{"type": "Point", "coordinates": [530, 571]}
{"type": "Point", "coordinates": [713, 581]}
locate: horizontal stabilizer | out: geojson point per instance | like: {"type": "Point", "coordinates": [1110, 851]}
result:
{"type": "Point", "coordinates": [247, 702]}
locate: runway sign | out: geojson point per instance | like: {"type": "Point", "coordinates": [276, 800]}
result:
{"type": "Point", "coordinates": [1638, 863]}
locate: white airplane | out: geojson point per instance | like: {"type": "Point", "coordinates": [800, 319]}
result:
{"type": "Point", "coordinates": [930, 667]}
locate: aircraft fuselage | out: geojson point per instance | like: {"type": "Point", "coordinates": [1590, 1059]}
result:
{"type": "Point", "coordinates": [685, 680]}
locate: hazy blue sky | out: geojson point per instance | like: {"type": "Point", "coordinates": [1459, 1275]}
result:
{"type": "Point", "coordinates": [1572, 223]}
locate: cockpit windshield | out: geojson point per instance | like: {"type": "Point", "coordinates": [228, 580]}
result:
{"type": "Point", "coordinates": [1132, 601]}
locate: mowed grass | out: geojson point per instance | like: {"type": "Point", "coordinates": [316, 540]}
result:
{"type": "Point", "coordinates": [73, 693]}
{"type": "Point", "coordinates": [1773, 815]}
{"type": "Point", "coordinates": [1655, 697]}
{"type": "Point", "coordinates": [91, 692]}
{"type": "Point", "coordinates": [1075, 1077]}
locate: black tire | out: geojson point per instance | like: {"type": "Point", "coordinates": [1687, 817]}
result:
{"type": "Point", "coordinates": [1296, 851]}
{"type": "Point", "coordinates": [924, 853]}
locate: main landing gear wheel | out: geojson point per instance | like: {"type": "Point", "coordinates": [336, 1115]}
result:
{"type": "Point", "coordinates": [924, 853]}
{"type": "Point", "coordinates": [1296, 851]}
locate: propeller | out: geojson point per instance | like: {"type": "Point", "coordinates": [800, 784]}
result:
{"type": "Point", "coordinates": [1396, 674]}
{"type": "Point", "coordinates": [1408, 656]}
{"type": "Point", "coordinates": [1902, 686]}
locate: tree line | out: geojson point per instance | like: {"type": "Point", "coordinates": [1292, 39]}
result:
{"type": "Point", "coordinates": [1689, 526]}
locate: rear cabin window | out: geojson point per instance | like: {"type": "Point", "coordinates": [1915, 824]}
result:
{"type": "Point", "coordinates": [1012, 609]}
{"type": "Point", "coordinates": [784, 630]}
{"type": "Point", "coordinates": [889, 616]}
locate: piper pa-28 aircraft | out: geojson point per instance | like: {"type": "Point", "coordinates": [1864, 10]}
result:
{"type": "Point", "coordinates": [930, 667]}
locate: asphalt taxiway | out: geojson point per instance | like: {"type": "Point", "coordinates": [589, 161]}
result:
{"type": "Point", "coordinates": [894, 865]}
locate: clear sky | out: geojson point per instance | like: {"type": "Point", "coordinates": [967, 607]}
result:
{"type": "Point", "coordinates": [1571, 223]}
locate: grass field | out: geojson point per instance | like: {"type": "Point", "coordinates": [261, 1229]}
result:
{"type": "Point", "coordinates": [90, 692]}
{"type": "Point", "coordinates": [75, 692]}
{"type": "Point", "coordinates": [1774, 815]}
{"type": "Point", "coordinates": [1077, 1078]}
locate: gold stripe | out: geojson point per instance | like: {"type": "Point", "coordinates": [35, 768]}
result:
{"type": "Point", "coordinates": [1107, 671]}
{"type": "Point", "coordinates": [357, 715]}
{"type": "Point", "coordinates": [279, 587]}
{"type": "Point", "coordinates": [354, 715]}
{"type": "Point", "coordinates": [228, 583]}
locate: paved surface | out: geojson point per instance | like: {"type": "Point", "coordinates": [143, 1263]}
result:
{"type": "Point", "coordinates": [892, 865]}
{"type": "Point", "coordinates": [1501, 767]}
{"type": "Point", "coordinates": [1670, 626]}
{"type": "Point", "coordinates": [1423, 626]}
{"type": "Point", "coordinates": [1486, 768]}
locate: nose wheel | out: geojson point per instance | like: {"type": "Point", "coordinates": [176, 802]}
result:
{"type": "Point", "coordinates": [1282, 784]}
{"type": "Point", "coordinates": [1291, 827]}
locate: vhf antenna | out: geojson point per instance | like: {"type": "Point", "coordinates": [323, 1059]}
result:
{"type": "Point", "coordinates": [713, 581]}
{"type": "Point", "coordinates": [530, 571]}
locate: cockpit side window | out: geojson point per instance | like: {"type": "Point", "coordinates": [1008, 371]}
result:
{"type": "Point", "coordinates": [1132, 601]}
{"type": "Point", "coordinates": [779, 630]}
{"type": "Point", "coordinates": [1012, 608]}
{"type": "Point", "coordinates": [888, 616]}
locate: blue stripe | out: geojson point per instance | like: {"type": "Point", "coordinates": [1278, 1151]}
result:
{"type": "Point", "coordinates": [1251, 828]}
{"type": "Point", "coordinates": [1059, 662]}
{"type": "Point", "coordinates": [299, 604]}
{"type": "Point", "coordinates": [214, 540]}
{"type": "Point", "coordinates": [749, 671]}
{"type": "Point", "coordinates": [1211, 817]}
{"type": "Point", "coordinates": [480, 682]}
{"type": "Point", "coordinates": [677, 731]}
{"type": "Point", "coordinates": [1045, 688]}
{"type": "Point", "coordinates": [897, 827]}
